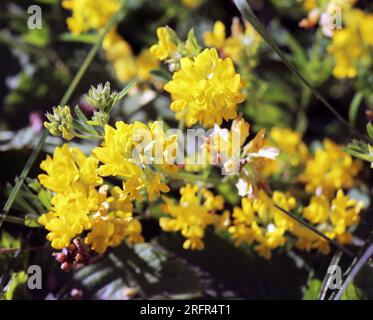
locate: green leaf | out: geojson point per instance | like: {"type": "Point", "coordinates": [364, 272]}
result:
{"type": "Point", "coordinates": [123, 92]}
{"type": "Point", "coordinates": [31, 221]}
{"type": "Point", "coordinates": [229, 192]}
{"type": "Point", "coordinates": [370, 130]}
{"type": "Point", "coordinates": [16, 283]}
{"type": "Point", "coordinates": [235, 272]}
{"type": "Point", "coordinates": [37, 37]}
{"type": "Point", "coordinates": [161, 75]}
{"type": "Point", "coordinates": [7, 241]}
{"type": "Point", "coordinates": [192, 45]}
{"type": "Point", "coordinates": [312, 290]}
{"type": "Point", "coordinates": [145, 268]}
{"type": "Point", "coordinates": [354, 107]}
{"type": "Point", "coordinates": [314, 286]}
{"type": "Point", "coordinates": [352, 293]}
{"type": "Point", "coordinates": [84, 121]}
{"type": "Point", "coordinates": [89, 38]}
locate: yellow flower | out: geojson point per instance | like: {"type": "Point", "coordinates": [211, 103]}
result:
{"type": "Point", "coordinates": [125, 151]}
{"type": "Point", "coordinates": [110, 227]}
{"type": "Point", "coordinates": [229, 150]}
{"type": "Point", "coordinates": [289, 141]}
{"type": "Point", "coordinates": [194, 212]}
{"type": "Point", "coordinates": [241, 41]}
{"type": "Point", "coordinates": [67, 218]}
{"type": "Point", "coordinates": [89, 14]}
{"type": "Point", "coordinates": [155, 185]}
{"type": "Point", "coordinates": [241, 234]}
{"type": "Point", "coordinates": [145, 62]}
{"type": "Point", "coordinates": [61, 170]}
{"type": "Point", "coordinates": [165, 46]}
{"type": "Point", "coordinates": [333, 220]}
{"type": "Point", "coordinates": [216, 37]}
{"type": "Point", "coordinates": [119, 53]}
{"type": "Point", "coordinates": [285, 201]}
{"type": "Point", "coordinates": [259, 222]}
{"type": "Point", "coordinates": [309, 5]}
{"type": "Point", "coordinates": [318, 209]}
{"type": "Point", "coordinates": [308, 240]}
{"type": "Point", "coordinates": [77, 206]}
{"type": "Point", "coordinates": [192, 4]}
{"type": "Point", "coordinates": [116, 152]}
{"type": "Point", "coordinates": [349, 44]}
{"type": "Point", "coordinates": [345, 212]}
{"type": "Point", "coordinates": [205, 89]}
{"type": "Point", "coordinates": [293, 152]}
{"type": "Point", "coordinates": [329, 169]}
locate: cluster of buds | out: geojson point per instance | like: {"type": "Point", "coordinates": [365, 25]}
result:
{"type": "Point", "coordinates": [60, 122]}
{"type": "Point", "coordinates": [76, 255]}
{"type": "Point", "coordinates": [101, 97]}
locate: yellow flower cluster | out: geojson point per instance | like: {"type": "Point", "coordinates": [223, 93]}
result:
{"type": "Point", "coordinates": [206, 89]}
{"type": "Point", "coordinates": [79, 206]}
{"type": "Point", "coordinates": [126, 150]}
{"type": "Point", "coordinates": [89, 14]}
{"type": "Point", "coordinates": [351, 44]}
{"type": "Point", "coordinates": [94, 15]}
{"type": "Point", "coordinates": [259, 222]}
{"type": "Point", "coordinates": [195, 211]}
{"type": "Point", "coordinates": [332, 218]}
{"type": "Point", "coordinates": [293, 151]}
{"type": "Point", "coordinates": [324, 173]}
{"type": "Point", "coordinates": [241, 42]}
{"type": "Point", "coordinates": [126, 65]}
{"type": "Point", "coordinates": [81, 202]}
{"type": "Point", "coordinates": [329, 169]}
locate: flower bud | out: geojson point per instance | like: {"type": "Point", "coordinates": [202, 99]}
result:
{"type": "Point", "coordinates": [101, 118]}
{"type": "Point", "coordinates": [101, 97]}
{"type": "Point", "coordinates": [60, 122]}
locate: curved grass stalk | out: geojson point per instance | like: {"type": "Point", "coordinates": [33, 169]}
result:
{"type": "Point", "coordinates": [327, 279]}
{"type": "Point", "coordinates": [247, 12]}
{"type": "Point", "coordinates": [69, 92]}
{"type": "Point", "coordinates": [332, 242]}
{"type": "Point", "coordinates": [355, 268]}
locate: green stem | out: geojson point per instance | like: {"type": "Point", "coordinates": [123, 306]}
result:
{"type": "Point", "coordinates": [194, 178]}
{"type": "Point", "coordinates": [302, 122]}
{"type": "Point", "coordinates": [361, 156]}
{"type": "Point", "coordinates": [87, 137]}
{"type": "Point", "coordinates": [70, 90]}
{"type": "Point", "coordinates": [14, 219]}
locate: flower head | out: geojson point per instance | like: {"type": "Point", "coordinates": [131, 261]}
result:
{"type": "Point", "coordinates": [89, 14]}
{"type": "Point", "coordinates": [194, 212]}
{"type": "Point", "coordinates": [165, 46]}
{"type": "Point", "coordinates": [206, 89]}
{"type": "Point", "coordinates": [329, 169]}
